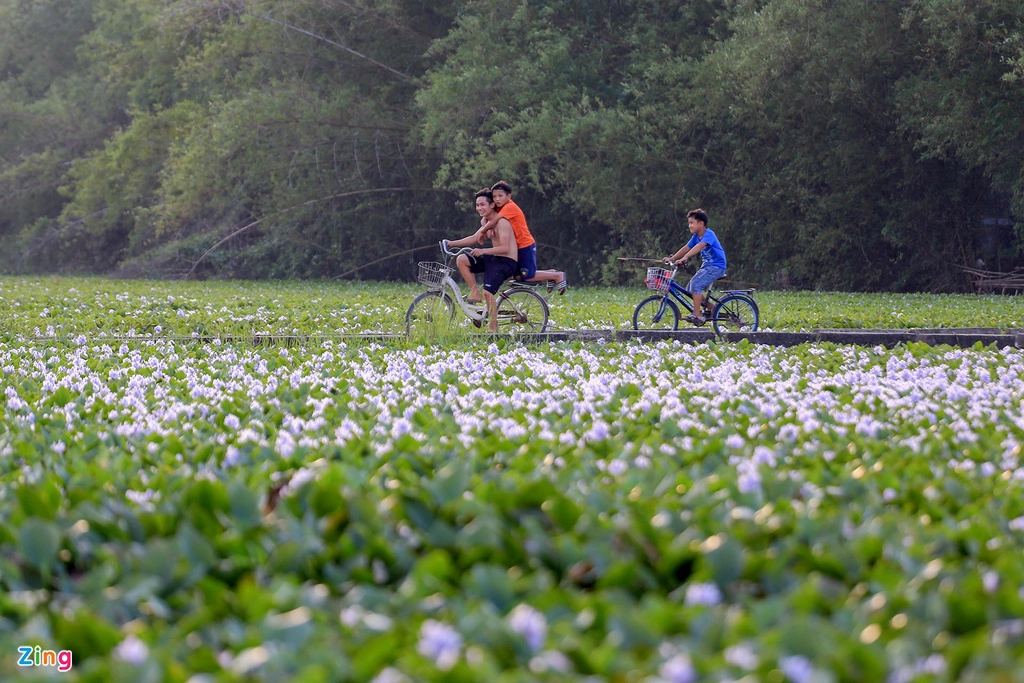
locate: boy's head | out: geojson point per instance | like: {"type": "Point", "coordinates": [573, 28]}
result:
{"type": "Point", "coordinates": [502, 193]}
{"type": "Point", "coordinates": [697, 219]}
{"type": "Point", "coordinates": [484, 200]}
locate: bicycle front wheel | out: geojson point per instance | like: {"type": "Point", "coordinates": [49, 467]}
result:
{"type": "Point", "coordinates": [430, 314]}
{"type": "Point", "coordinates": [656, 312]}
{"type": "Point", "coordinates": [736, 313]}
{"type": "Point", "coordinates": [522, 309]}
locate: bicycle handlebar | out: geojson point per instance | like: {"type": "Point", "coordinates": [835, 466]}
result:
{"type": "Point", "coordinates": [449, 252]}
{"type": "Point", "coordinates": [686, 267]}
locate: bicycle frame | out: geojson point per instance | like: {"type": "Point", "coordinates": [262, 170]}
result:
{"type": "Point", "coordinates": [733, 310]}
{"type": "Point", "coordinates": [476, 312]}
{"type": "Point", "coordinates": [682, 295]}
{"type": "Point", "coordinates": [685, 296]}
{"type": "Point", "coordinates": [471, 311]}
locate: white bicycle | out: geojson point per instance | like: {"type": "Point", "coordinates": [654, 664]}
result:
{"type": "Point", "coordinates": [520, 307]}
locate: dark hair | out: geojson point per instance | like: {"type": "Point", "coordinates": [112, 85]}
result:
{"type": "Point", "coordinates": [484, 193]}
{"type": "Point", "coordinates": [502, 185]}
{"type": "Point", "coordinates": [699, 214]}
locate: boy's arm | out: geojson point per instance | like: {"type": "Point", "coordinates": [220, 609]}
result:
{"type": "Point", "coordinates": [486, 225]}
{"type": "Point", "coordinates": [500, 238]}
{"type": "Point", "coordinates": [685, 254]}
{"type": "Point", "coordinates": [470, 241]}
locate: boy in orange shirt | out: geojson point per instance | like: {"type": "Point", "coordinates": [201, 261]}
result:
{"type": "Point", "coordinates": [528, 272]}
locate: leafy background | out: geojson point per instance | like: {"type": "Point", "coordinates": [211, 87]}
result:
{"type": "Point", "coordinates": [837, 145]}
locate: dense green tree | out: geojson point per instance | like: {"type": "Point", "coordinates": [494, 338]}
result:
{"type": "Point", "coordinates": [551, 95]}
{"type": "Point", "coordinates": [836, 143]}
{"type": "Point", "coordinates": [827, 189]}
{"type": "Point", "coordinates": [827, 98]}
{"type": "Point", "coordinates": [789, 120]}
{"type": "Point", "coordinates": [261, 139]}
{"type": "Point", "coordinates": [49, 114]}
{"type": "Point", "coordinates": [963, 95]}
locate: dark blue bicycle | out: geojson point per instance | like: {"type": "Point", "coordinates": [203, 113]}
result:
{"type": "Point", "coordinates": [734, 311]}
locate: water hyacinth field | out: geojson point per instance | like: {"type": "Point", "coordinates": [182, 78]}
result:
{"type": "Point", "coordinates": [181, 504]}
{"type": "Point", "coordinates": [72, 308]}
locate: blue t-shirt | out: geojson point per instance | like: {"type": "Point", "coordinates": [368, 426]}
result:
{"type": "Point", "coordinates": [711, 255]}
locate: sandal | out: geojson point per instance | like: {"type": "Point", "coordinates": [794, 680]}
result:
{"type": "Point", "coordinates": [695, 319]}
{"type": "Point", "coordinates": [474, 302]}
{"type": "Point", "coordinates": [563, 285]}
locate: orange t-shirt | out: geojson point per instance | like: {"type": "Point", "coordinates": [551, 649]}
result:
{"type": "Point", "coordinates": [515, 216]}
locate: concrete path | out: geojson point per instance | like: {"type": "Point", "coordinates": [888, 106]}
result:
{"type": "Point", "coordinates": [960, 337]}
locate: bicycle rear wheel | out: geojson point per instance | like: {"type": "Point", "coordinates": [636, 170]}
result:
{"type": "Point", "coordinates": [656, 312]}
{"type": "Point", "coordinates": [736, 313]}
{"type": "Point", "coordinates": [522, 309]}
{"type": "Point", "coordinates": [430, 314]}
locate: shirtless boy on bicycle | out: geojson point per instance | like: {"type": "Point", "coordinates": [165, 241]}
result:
{"type": "Point", "coordinates": [527, 246]}
{"type": "Point", "coordinates": [497, 262]}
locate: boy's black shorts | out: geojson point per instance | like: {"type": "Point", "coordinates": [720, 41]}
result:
{"type": "Point", "coordinates": [496, 270]}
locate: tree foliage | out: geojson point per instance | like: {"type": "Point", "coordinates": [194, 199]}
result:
{"type": "Point", "coordinates": [836, 143]}
{"type": "Point", "coordinates": [789, 121]}
{"type": "Point", "coordinates": [277, 131]}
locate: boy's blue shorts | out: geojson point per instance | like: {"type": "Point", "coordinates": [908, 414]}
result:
{"type": "Point", "coordinates": [702, 280]}
{"type": "Point", "coordinates": [527, 262]}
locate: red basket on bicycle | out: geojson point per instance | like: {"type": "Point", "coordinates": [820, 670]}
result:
{"type": "Point", "coordinates": [658, 279]}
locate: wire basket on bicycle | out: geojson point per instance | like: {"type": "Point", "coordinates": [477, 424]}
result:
{"type": "Point", "coordinates": [433, 274]}
{"type": "Point", "coordinates": [658, 279]}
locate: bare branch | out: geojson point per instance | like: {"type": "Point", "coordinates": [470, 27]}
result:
{"type": "Point", "coordinates": [303, 31]}
{"type": "Point", "coordinates": [383, 17]}
{"type": "Point", "coordinates": [311, 202]}
{"type": "Point", "coordinates": [386, 258]}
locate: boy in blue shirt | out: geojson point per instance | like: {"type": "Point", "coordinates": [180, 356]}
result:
{"type": "Point", "coordinates": [705, 242]}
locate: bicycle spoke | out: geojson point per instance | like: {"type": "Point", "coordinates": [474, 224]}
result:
{"type": "Point", "coordinates": [736, 314]}
{"type": "Point", "coordinates": [523, 309]}
{"type": "Point", "coordinates": [656, 313]}
{"type": "Point", "coordinates": [431, 314]}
